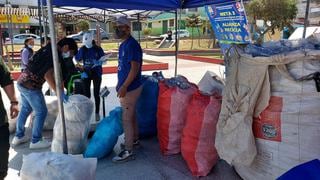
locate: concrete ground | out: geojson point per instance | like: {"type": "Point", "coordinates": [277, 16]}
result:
{"type": "Point", "coordinates": [149, 163]}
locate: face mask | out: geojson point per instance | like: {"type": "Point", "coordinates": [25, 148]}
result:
{"type": "Point", "coordinates": [66, 54]}
{"type": "Point", "coordinates": [119, 33]}
{"type": "Point", "coordinates": [87, 40]}
{"type": "Point", "coordinates": [88, 45]}
{"type": "Point", "coordinates": [30, 46]}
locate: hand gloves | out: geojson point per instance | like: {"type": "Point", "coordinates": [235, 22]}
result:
{"type": "Point", "coordinates": [84, 75]}
{"type": "Point", "coordinates": [97, 63]}
{"type": "Point", "coordinates": [64, 97]}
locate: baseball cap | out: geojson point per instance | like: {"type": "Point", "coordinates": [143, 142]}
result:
{"type": "Point", "coordinates": [123, 20]}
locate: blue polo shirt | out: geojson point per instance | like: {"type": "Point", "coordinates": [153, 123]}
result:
{"type": "Point", "coordinates": [89, 56]}
{"type": "Point", "coordinates": [129, 50]}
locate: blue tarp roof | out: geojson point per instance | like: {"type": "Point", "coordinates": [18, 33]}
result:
{"type": "Point", "coordinates": [160, 5]}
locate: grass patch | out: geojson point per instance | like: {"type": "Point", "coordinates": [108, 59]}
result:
{"type": "Point", "coordinates": [184, 44]}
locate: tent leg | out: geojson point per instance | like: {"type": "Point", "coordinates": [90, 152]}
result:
{"type": "Point", "coordinates": [177, 44]}
{"type": "Point", "coordinates": [139, 28]}
{"type": "Point", "coordinates": [57, 73]}
{"type": "Point", "coordinates": [39, 16]}
{"type": "Point", "coordinates": [44, 22]}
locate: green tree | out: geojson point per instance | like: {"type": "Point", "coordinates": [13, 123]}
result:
{"type": "Point", "coordinates": [212, 36]}
{"type": "Point", "coordinates": [83, 25]}
{"type": "Point", "coordinates": [146, 33]}
{"type": "Point", "coordinates": [193, 21]}
{"type": "Point", "coordinates": [276, 14]}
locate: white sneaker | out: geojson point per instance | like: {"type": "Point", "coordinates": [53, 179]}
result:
{"type": "Point", "coordinates": [40, 144]}
{"type": "Point", "coordinates": [16, 141]}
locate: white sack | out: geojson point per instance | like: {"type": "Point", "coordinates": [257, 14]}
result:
{"type": "Point", "coordinates": [56, 166]}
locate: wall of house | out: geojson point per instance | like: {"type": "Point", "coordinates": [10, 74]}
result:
{"type": "Point", "coordinates": [156, 28]}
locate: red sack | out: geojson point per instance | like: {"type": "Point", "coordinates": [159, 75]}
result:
{"type": "Point", "coordinates": [171, 116]}
{"type": "Point", "coordinates": [198, 137]}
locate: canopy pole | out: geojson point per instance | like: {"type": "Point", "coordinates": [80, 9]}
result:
{"type": "Point", "coordinates": [39, 15]}
{"type": "Point", "coordinates": [306, 19]}
{"type": "Point", "coordinates": [177, 44]}
{"type": "Point", "coordinates": [57, 73]}
{"type": "Point", "coordinates": [139, 28]}
{"type": "Point", "coordinates": [1, 44]}
{"type": "Point", "coordinates": [10, 25]}
{"type": "Point", "coordinates": [44, 22]}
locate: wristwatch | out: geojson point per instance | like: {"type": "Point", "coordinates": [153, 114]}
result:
{"type": "Point", "coordinates": [14, 102]}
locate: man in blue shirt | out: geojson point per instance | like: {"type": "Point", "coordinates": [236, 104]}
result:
{"type": "Point", "coordinates": [90, 54]}
{"type": "Point", "coordinates": [129, 86]}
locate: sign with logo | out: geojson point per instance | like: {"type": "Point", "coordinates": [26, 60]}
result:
{"type": "Point", "coordinates": [16, 19]}
{"type": "Point", "coordinates": [229, 23]}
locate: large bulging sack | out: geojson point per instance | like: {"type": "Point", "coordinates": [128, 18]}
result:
{"type": "Point", "coordinates": [52, 106]}
{"type": "Point", "coordinates": [106, 135]}
{"type": "Point", "coordinates": [198, 138]}
{"type": "Point", "coordinates": [56, 166]}
{"type": "Point", "coordinates": [146, 107]}
{"type": "Point", "coordinates": [78, 111]}
{"type": "Point", "coordinates": [171, 116]}
{"type": "Point", "coordinates": [287, 131]}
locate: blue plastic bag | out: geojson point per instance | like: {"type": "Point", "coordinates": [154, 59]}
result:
{"type": "Point", "coordinates": [146, 107]}
{"type": "Point", "coordinates": [309, 170]}
{"type": "Point", "coordinates": [106, 135]}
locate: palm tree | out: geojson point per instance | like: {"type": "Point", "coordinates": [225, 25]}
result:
{"type": "Point", "coordinates": [193, 21]}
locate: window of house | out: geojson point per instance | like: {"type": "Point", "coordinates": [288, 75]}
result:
{"type": "Point", "coordinates": [193, 10]}
{"type": "Point", "coordinates": [171, 22]}
{"type": "Point", "coordinates": [136, 26]}
{"type": "Point", "coordinates": [150, 25]}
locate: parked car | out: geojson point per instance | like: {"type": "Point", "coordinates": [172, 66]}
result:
{"type": "Point", "coordinates": [19, 38]}
{"type": "Point", "coordinates": [298, 33]}
{"type": "Point", "coordinates": [78, 36]}
{"type": "Point", "coordinates": [182, 33]}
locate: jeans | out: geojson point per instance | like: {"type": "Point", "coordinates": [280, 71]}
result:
{"type": "Point", "coordinates": [129, 120]}
{"type": "Point", "coordinates": [31, 100]}
{"type": "Point", "coordinates": [96, 88]}
{"type": "Point", "coordinates": [4, 150]}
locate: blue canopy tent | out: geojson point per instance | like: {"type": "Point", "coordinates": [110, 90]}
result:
{"type": "Point", "coordinates": [161, 5]}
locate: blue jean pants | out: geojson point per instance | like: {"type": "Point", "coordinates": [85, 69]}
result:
{"type": "Point", "coordinates": [31, 101]}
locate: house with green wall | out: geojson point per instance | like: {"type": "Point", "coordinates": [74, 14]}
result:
{"type": "Point", "coordinates": [165, 21]}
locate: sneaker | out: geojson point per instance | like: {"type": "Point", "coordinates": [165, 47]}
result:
{"type": "Point", "coordinates": [16, 141]}
{"type": "Point", "coordinates": [136, 144]}
{"type": "Point", "coordinates": [124, 156]}
{"type": "Point", "coordinates": [40, 144]}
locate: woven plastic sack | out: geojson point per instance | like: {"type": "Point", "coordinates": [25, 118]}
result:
{"type": "Point", "coordinates": [198, 138]}
{"type": "Point", "coordinates": [56, 166]}
{"type": "Point", "coordinates": [286, 132]}
{"type": "Point", "coordinates": [171, 116]}
{"type": "Point", "coordinates": [78, 112]}
{"type": "Point", "coordinates": [146, 107]}
{"type": "Point", "coordinates": [106, 135]}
